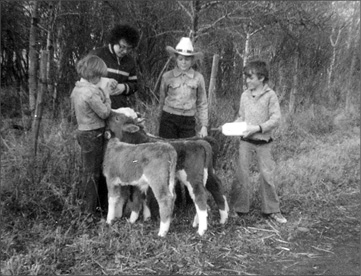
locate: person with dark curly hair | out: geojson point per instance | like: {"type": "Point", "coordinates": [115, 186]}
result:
{"type": "Point", "coordinates": [122, 40]}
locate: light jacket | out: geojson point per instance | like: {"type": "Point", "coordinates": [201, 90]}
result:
{"type": "Point", "coordinates": [91, 105]}
{"type": "Point", "coordinates": [184, 93]}
{"type": "Point", "coordinates": [122, 70]}
{"type": "Point", "coordinates": [261, 109]}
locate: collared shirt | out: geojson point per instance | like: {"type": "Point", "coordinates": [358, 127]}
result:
{"type": "Point", "coordinates": [91, 105]}
{"type": "Point", "coordinates": [184, 93]}
{"type": "Point", "coordinates": [262, 109]}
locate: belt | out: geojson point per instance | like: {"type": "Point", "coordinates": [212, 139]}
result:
{"type": "Point", "coordinates": [257, 142]}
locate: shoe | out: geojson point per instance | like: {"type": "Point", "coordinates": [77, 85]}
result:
{"type": "Point", "coordinates": [278, 217]}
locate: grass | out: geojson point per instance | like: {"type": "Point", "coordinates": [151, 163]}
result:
{"type": "Point", "coordinates": [43, 231]}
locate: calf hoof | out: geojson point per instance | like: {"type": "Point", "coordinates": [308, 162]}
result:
{"type": "Point", "coordinates": [162, 234]}
{"type": "Point", "coordinates": [163, 229]}
{"type": "Point", "coordinates": [224, 213]}
{"type": "Point", "coordinates": [224, 216]}
{"type": "Point", "coordinates": [146, 215]}
{"type": "Point", "coordinates": [201, 231]}
{"type": "Point", "coordinates": [133, 217]}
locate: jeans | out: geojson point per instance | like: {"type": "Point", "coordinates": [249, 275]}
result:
{"type": "Point", "coordinates": [92, 150]}
{"type": "Point", "coordinates": [240, 191]}
{"type": "Point", "coordinates": [177, 126]}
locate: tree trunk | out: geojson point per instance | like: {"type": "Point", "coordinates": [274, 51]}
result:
{"type": "Point", "coordinates": [39, 100]}
{"type": "Point", "coordinates": [33, 57]}
{"type": "Point", "coordinates": [246, 49]}
{"type": "Point", "coordinates": [292, 102]}
{"type": "Point", "coordinates": [51, 64]}
{"type": "Point", "coordinates": [349, 88]}
{"type": "Point", "coordinates": [355, 32]}
{"type": "Point", "coordinates": [333, 59]}
{"type": "Point", "coordinates": [212, 83]}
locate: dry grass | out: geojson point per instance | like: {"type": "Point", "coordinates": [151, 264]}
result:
{"type": "Point", "coordinates": [44, 233]}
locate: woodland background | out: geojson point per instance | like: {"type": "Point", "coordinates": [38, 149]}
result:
{"type": "Point", "coordinates": [313, 49]}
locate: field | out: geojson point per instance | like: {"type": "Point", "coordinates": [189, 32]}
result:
{"type": "Point", "coordinates": [318, 174]}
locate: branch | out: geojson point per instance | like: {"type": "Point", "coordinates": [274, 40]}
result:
{"type": "Point", "coordinates": [334, 43]}
{"type": "Point", "coordinates": [185, 9]}
{"type": "Point", "coordinates": [210, 4]}
{"type": "Point", "coordinates": [210, 26]}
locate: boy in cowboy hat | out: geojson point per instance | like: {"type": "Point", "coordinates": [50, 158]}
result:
{"type": "Point", "coordinates": [183, 95]}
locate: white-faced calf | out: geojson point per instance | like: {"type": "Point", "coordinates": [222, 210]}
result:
{"type": "Point", "coordinates": [143, 166]}
{"type": "Point", "coordinates": [194, 165]}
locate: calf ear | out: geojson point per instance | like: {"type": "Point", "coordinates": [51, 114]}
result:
{"type": "Point", "coordinates": [131, 128]}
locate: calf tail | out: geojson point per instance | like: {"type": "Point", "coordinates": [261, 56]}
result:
{"type": "Point", "coordinates": [172, 169]}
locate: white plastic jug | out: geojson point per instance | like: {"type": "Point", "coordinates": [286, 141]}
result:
{"type": "Point", "coordinates": [233, 129]}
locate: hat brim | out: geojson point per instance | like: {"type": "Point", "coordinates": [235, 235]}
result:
{"type": "Point", "coordinates": [172, 52]}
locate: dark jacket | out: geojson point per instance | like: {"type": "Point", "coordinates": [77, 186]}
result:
{"type": "Point", "coordinates": [123, 71]}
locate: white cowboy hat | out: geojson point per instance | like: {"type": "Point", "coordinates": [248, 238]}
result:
{"type": "Point", "coordinates": [184, 48]}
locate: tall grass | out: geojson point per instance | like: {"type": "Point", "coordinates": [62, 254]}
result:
{"type": "Point", "coordinates": [44, 232]}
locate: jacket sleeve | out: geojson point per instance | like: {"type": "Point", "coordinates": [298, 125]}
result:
{"type": "Point", "coordinates": [99, 102]}
{"type": "Point", "coordinates": [241, 116]}
{"type": "Point", "coordinates": [274, 114]}
{"type": "Point", "coordinates": [202, 103]}
{"type": "Point", "coordinates": [131, 84]}
{"type": "Point", "coordinates": [162, 93]}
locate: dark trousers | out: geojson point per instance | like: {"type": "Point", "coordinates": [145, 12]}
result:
{"type": "Point", "coordinates": [92, 182]}
{"type": "Point", "coordinates": [173, 126]}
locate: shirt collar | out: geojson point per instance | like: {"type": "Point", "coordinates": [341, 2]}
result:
{"type": "Point", "coordinates": [177, 72]}
{"type": "Point", "coordinates": [264, 90]}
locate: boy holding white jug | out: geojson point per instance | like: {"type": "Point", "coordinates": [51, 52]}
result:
{"type": "Point", "coordinates": [260, 110]}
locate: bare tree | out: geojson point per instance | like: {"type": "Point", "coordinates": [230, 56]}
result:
{"type": "Point", "coordinates": [33, 56]}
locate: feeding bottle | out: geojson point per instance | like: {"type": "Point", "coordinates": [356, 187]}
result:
{"type": "Point", "coordinates": [232, 129]}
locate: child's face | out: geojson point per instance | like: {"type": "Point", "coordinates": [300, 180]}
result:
{"type": "Point", "coordinates": [184, 62]}
{"type": "Point", "coordinates": [253, 82]}
{"type": "Point", "coordinates": [122, 48]}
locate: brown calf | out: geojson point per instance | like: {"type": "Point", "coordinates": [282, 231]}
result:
{"type": "Point", "coordinates": [194, 165]}
{"type": "Point", "coordinates": [143, 166]}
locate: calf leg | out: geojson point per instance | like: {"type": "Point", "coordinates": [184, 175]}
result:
{"type": "Point", "coordinates": [214, 186]}
{"type": "Point", "coordinates": [199, 196]}
{"type": "Point", "coordinates": [138, 200]}
{"type": "Point", "coordinates": [136, 197]}
{"type": "Point", "coordinates": [165, 197]}
{"type": "Point", "coordinates": [115, 207]}
{"type": "Point", "coordinates": [117, 197]}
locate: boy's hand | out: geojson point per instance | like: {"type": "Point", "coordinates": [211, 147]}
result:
{"type": "Point", "coordinates": [251, 129]}
{"type": "Point", "coordinates": [119, 89]}
{"type": "Point", "coordinates": [112, 83]}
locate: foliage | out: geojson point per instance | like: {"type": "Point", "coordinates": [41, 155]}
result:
{"type": "Point", "coordinates": [272, 31]}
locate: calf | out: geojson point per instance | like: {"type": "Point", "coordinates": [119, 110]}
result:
{"type": "Point", "coordinates": [194, 165]}
{"type": "Point", "coordinates": [143, 166]}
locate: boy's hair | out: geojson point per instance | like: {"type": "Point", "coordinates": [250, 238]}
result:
{"type": "Point", "coordinates": [258, 68]}
{"type": "Point", "coordinates": [91, 67]}
{"type": "Point", "coordinates": [126, 32]}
